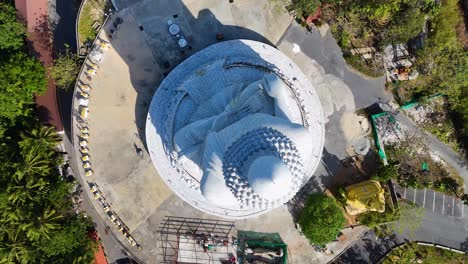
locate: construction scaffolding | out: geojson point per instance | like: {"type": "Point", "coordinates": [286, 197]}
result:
{"type": "Point", "coordinates": [195, 240]}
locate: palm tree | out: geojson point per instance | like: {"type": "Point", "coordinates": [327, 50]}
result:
{"type": "Point", "coordinates": [35, 161]}
{"type": "Point", "coordinates": [42, 135]}
{"type": "Point", "coordinates": [42, 225]}
{"type": "Point", "coordinates": [26, 190]}
{"type": "Point", "coordinates": [13, 247]}
{"type": "Point", "coordinates": [11, 215]}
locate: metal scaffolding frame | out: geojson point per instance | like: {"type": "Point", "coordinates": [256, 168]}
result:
{"type": "Point", "coordinates": [181, 236]}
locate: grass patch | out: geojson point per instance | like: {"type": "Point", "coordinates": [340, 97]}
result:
{"type": "Point", "coordinates": [368, 68]}
{"type": "Point", "coordinates": [445, 132]}
{"type": "Point", "coordinates": [92, 11]}
{"type": "Point", "coordinates": [414, 253]}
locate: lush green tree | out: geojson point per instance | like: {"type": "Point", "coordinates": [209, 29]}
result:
{"type": "Point", "coordinates": [34, 162]}
{"type": "Point", "coordinates": [305, 7]}
{"type": "Point", "coordinates": [21, 77]}
{"type": "Point", "coordinates": [12, 33]}
{"type": "Point", "coordinates": [65, 69]}
{"type": "Point", "coordinates": [42, 225]}
{"type": "Point", "coordinates": [321, 220]}
{"type": "Point", "coordinates": [71, 242]}
{"type": "Point", "coordinates": [44, 136]}
{"type": "Point", "coordinates": [14, 247]}
{"type": "Point", "coordinates": [35, 207]}
{"type": "Point", "coordinates": [373, 219]}
{"type": "Point", "coordinates": [406, 24]}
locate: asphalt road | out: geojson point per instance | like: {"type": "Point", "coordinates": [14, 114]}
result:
{"type": "Point", "coordinates": [367, 249]}
{"type": "Point", "coordinates": [443, 224]}
{"type": "Point", "coordinates": [328, 54]}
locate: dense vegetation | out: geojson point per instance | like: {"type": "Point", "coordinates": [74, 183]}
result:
{"type": "Point", "coordinates": [375, 23]}
{"type": "Point", "coordinates": [406, 167]}
{"type": "Point", "coordinates": [414, 253]}
{"type": "Point", "coordinates": [442, 62]}
{"type": "Point", "coordinates": [321, 220]}
{"type": "Point", "coordinates": [37, 223]}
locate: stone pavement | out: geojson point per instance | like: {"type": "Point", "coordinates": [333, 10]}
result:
{"type": "Point", "coordinates": [121, 92]}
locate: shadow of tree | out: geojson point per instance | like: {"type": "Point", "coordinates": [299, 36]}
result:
{"type": "Point", "coordinates": [368, 249]}
{"type": "Point", "coordinates": [464, 246]}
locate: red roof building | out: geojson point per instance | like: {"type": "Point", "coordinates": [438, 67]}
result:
{"type": "Point", "coordinates": [34, 15]}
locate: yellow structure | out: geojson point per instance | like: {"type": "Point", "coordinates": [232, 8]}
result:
{"type": "Point", "coordinates": [365, 196]}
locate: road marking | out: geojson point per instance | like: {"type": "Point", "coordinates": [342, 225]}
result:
{"type": "Point", "coordinates": [414, 196]}
{"type": "Point", "coordinates": [424, 201]}
{"type": "Point", "coordinates": [443, 204]}
{"type": "Point", "coordinates": [453, 206]}
{"type": "Point", "coordinates": [433, 201]}
{"type": "Point", "coordinates": [463, 207]}
{"type": "Point", "coordinates": [404, 194]}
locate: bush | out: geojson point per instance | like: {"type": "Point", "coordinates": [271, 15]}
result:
{"type": "Point", "coordinates": [374, 219]}
{"type": "Point", "coordinates": [321, 219]}
{"type": "Point", "coordinates": [385, 173]}
{"type": "Point", "coordinates": [305, 7]}
{"type": "Point", "coordinates": [65, 69]}
{"type": "Point", "coordinates": [340, 196]}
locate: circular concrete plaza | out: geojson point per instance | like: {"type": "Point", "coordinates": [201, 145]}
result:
{"type": "Point", "coordinates": [234, 105]}
{"type": "Point", "coordinates": [122, 91]}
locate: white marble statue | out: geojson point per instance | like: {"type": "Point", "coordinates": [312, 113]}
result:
{"type": "Point", "coordinates": [231, 130]}
{"type": "Point", "coordinates": [264, 177]}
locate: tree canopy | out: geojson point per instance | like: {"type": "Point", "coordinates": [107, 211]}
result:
{"type": "Point", "coordinates": [35, 206]}
{"type": "Point", "coordinates": [12, 32]}
{"type": "Point", "coordinates": [65, 69]}
{"type": "Point", "coordinates": [305, 7]}
{"type": "Point", "coordinates": [321, 220]}
{"type": "Point", "coordinates": [442, 62]}
{"type": "Point", "coordinates": [37, 221]}
{"type": "Point", "coordinates": [20, 78]}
